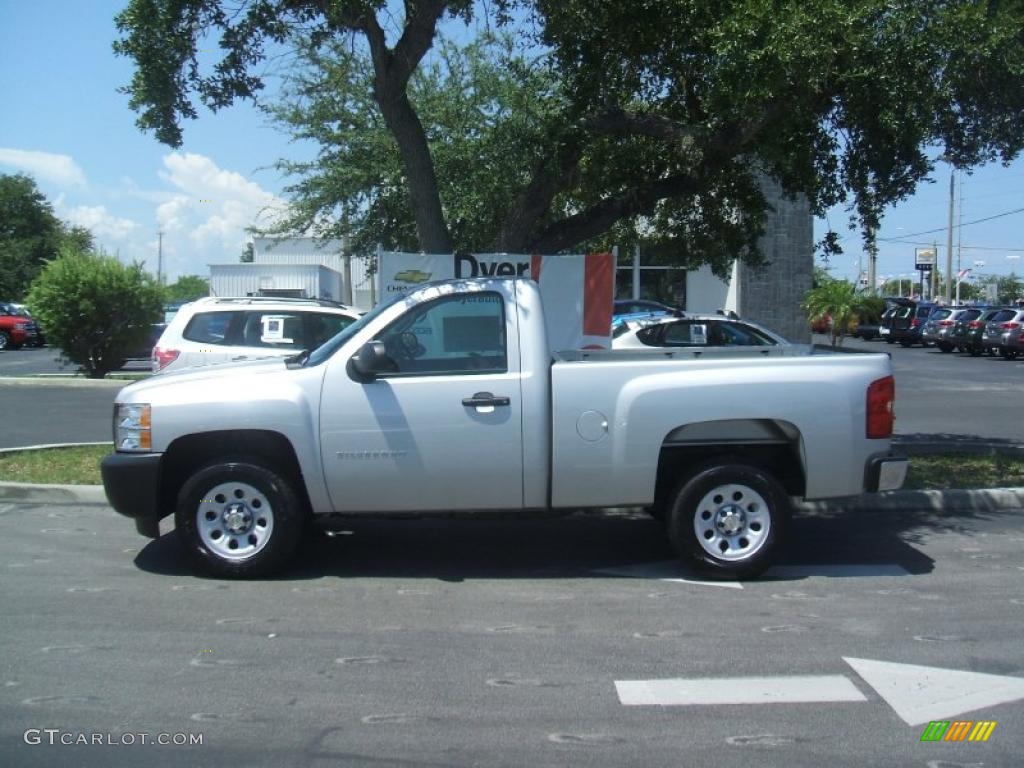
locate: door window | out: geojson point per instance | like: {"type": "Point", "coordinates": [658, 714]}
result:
{"type": "Point", "coordinates": [457, 334]}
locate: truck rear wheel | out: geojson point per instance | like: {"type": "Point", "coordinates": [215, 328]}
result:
{"type": "Point", "coordinates": [239, 519]}
{"type": "Point", "coordinates": [729, 519]}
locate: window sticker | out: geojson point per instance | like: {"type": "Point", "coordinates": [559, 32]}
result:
{"type": "Point", "coordinates": [273, 330]}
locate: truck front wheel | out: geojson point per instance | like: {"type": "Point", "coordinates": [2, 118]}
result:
{"type": "Point", "coordinates": [239, 519]}
{"type": "Point", "coordinates": [729, 519]}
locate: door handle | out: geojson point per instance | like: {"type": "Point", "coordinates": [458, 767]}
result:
{"type": "Point", "coordinates": [484, 399]}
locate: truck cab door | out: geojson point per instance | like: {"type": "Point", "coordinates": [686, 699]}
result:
{"type": "Point", "coordinates": [442, 429]}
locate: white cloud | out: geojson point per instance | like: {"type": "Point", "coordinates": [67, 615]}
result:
{"type": "Point", "coordinates": [214, 206]}
{"type": "Point", "coordinates": [102, 223]}
{"type": "Point", "coordinates": [46, 166]}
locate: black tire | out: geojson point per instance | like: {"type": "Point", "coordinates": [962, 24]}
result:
{"type": "Point", "coordinates": [975, 351]}
{"type": "Point", "coordinates": [889, 341]}
{"type": "Point", "coordinates": [268, 515]}
{"type": "Point", "coordinates": [724, 523]}
{"type": "Point", "coordinates": [906, 344]}
{"type": "Point", "coordinates": [5, 341]}
{"type": "Point", "coordinates": [947, 348]}
{"type": "Point", "coordinates": [1009, 354]}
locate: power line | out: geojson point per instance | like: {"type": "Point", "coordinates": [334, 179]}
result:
{"type": "Point", "coordinates": [965, 247]}
{"type": "Point", "coordinates": [965, 224]}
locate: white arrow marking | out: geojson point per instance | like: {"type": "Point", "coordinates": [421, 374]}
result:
{"type": "Point", "coordinates": [921, 694]}
{"type": "Point", "coordinates": [796, 689]}
{"type": "Point", "coordinates": [666, 570]}
{"type": "Point", "coordinates": [835, 571]}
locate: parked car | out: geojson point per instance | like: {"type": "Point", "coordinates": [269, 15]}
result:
{"type": "Point", "coordinates": [908, 321]}
{"type": "Point", "coordinates": [1009, 339]}
{"type": "Point", "coordinates": [868, 330]}
{"type": "Point", "coordinates": [214, 330]}
{"type": "Point", "coordinates": [938, 330]}
{"type": "Point", "coordinates": [991, 335]}
{"type": "Point", "coordinates": [961, 326]}
{"type": "Point", "coordinates": [18, 329]}
{"type": "Point", "coordinates": [974, 340]}
{"type": "Point", "coordinates": [1016, 338]}
{"type": "Point", "coordinates": [692, 331]}
{"type": "Point", "coordinates": [396, 412]}
{"type": "Point", "coordinates": [636, 309]}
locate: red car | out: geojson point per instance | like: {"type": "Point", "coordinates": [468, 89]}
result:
{"type": "Point", "coordinates": [16, 329]}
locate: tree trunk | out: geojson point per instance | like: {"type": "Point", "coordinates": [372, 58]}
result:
{"type": "Point", "coordinates": [392, 70]}
{"type": "Point", "coordinates": [424, 195]}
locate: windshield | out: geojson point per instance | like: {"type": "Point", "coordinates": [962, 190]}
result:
{"type": "Point", "coordinates": [333, 344]}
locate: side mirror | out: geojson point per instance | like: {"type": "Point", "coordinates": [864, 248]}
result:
{"type": "Point", "coordinates": [371, 359]}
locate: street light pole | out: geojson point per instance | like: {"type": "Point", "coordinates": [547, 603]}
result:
{"type": "Point", "coordinates": [949, 240]}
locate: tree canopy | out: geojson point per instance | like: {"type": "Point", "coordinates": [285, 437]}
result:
{"type": "Point", "coordinates": [30, 234]}
{"type": "Point", "coordinates": [656, 116]}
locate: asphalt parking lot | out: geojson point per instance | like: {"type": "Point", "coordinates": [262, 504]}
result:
{"type": "Point", "coordinates": [511, 643]}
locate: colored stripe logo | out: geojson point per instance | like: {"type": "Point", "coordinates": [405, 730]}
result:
{"type": "Point", "coordinates": [958, 730]}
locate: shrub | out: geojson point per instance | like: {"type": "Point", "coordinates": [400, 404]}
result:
{"type": "Point", "coordinates": [95, 308]}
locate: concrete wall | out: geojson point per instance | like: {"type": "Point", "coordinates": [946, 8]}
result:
{"type": "Point", "coordinates": [772, 295]}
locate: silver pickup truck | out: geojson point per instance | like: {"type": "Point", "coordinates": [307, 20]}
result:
{"type": "Point", "coordinates": [448, 399]}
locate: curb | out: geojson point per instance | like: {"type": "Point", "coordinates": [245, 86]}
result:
{"type": "Point", "coordinates": [36, 493]}
{"type": "Point", "coordinates": [954, 500]}
{"type": "Point", "coordinates": [26, 381]}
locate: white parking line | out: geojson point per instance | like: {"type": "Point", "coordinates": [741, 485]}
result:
{"type": "Point", "coordinates": [797, 689]}
{"type": "Point", "coordinates": [834, 571]}
{"type": "Point", "coordinates": [664, 570]}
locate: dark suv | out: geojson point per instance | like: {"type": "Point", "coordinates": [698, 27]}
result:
{"type": "Point", "coordinates": [974, 341]}
{"type": "Point", "coordinates": [908, 321]}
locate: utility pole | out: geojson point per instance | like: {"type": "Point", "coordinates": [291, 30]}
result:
{"type": "Point", "coordinates": [160, 258]}
{"type": "Point", "coordinates": [949, 242]}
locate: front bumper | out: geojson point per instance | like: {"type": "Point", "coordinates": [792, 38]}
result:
{"type": "Point", "coordinates": [132, 485]}
{"type": "Point", "coordinates": [885, 472]}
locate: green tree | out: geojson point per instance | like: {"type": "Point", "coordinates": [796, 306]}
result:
{"type": "Point", "coordinates": [658, 118]}
{"type": "Point", "coordinates": [95, 308]}
{"type": "Point", "coordinates": [187, 288]}
{"type": "Point", "coordinates": [838, 302]}
{"type": "Point", "coordinates": [29, 234]}
{"type": "Point", "coordinates": [1010, 289]}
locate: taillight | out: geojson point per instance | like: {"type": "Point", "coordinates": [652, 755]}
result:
{"type": "Point", "coordinates": [945, 323]}
{"type": "Point", "coordinates": [880, 402]}
{"type": "Point", "coordinates": [915, 322]}
{"type": "Point", "coordinates": [975, 324]}
{"type": "Point", "coordinates": [163, 357]}
{"type": "Point", "coordinates": [1011, 325]}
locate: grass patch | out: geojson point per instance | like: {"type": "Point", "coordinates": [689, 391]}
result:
{"type": "Point", "coordinates": [943, 471]}
{"type": "Point", "coordinates": [81, 466]}
{"type": "Point", "coordinates": [72, 466]}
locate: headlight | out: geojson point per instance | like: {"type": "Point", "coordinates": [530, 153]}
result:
{"type": "Point", "coordinates": [132, 427]}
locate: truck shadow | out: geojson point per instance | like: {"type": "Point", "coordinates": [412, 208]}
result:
{"type": "Point", "coordinates": [836, 542]}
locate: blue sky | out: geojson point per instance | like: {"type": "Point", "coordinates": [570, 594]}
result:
{"type": "Point", "coordinates": [65, 124]}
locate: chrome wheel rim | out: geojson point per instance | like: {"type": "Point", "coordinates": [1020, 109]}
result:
{"type": "Point", "coordinates": [235, 520]}
{"type": "Point", "coordinates": [732, 522]}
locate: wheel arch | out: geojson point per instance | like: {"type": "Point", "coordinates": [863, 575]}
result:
{"type": "Point", "coordinates": [772, 444]}
{"type": "Point", "coordinates": [189, 453]}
